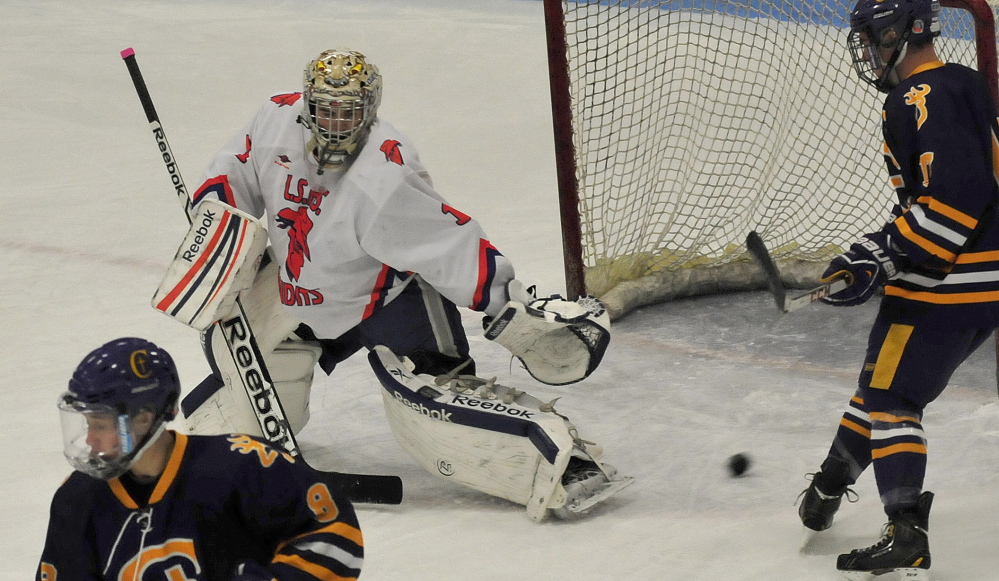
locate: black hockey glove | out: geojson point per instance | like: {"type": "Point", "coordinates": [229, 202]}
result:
{"type": "Point", "coordinates": [870, 262]}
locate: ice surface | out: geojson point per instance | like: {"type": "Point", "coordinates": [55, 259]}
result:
{"type": "Point", "coordinates": [90, 223]}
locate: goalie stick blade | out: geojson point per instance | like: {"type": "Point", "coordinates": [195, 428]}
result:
{"type": "Point", "coordinates": [756, 247]}
{"type": "Point", "coordinates": [603, 493]}
{"type": "Point", "coordinates": [365, 488]}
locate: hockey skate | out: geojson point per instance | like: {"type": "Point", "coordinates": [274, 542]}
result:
{"type": "Point", "coordinates": [904, 548]}
{"type": "Point", "coordinates": [585, 483]}
{"type": "Point", "coordinates": [817, 507]}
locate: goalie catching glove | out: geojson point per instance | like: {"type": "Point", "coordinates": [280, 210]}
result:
{"type": "Point", "coordinates": [870, 262]}
{"type": "Point", "coordinates": [558, 341]}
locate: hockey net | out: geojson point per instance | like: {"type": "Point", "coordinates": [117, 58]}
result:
{"type": "Point", "coordinates": [682, 125]}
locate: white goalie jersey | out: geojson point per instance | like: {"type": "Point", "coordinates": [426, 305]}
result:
{"type": "Point", "coordinates": [348, 239]}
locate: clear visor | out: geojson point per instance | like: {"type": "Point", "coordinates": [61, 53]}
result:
{"type": "Point", "coordinates": [97, 440]}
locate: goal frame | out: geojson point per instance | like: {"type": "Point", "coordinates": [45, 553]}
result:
{"type": "Point", "coordinates": [562, 121]}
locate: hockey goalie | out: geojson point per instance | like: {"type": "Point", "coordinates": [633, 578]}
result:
{"type": "Point", "coordinates": [365, 255]}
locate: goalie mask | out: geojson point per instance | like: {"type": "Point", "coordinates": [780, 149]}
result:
{"type": "Point", "coordinates": [342, 94]}
{"type": "Point", "coordinates": [881, 32]}
{"type": "Point", "coordinates": [119, 400]}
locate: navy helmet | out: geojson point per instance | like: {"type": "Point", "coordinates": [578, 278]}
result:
{"type": "Point", "coordinates": [881, 32]}
{"type": "Point", "coordinates": [105, 429]}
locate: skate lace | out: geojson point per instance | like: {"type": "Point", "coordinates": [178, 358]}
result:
{"type": "Point", "coordinates": [474, 386]}
{"type": "Point", "coordinates": [887, 536]}
{"type": "Point", "coordinates": [467, 384]}
{"type": "Point", "coordinates": [850, 494]}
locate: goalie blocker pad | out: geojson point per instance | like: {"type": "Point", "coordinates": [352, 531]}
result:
{"type": "Point", "coordinates": [558, 341]}
{"type": "Point", "coordinates": [218, 258]}
{"type": "Point", "coordinates": [496, 440]}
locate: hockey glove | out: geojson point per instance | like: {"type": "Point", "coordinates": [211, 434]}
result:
{"type": "Point", "coordinates": [558, 341]}
{"type": "Point", "coordinates": [870, 262]}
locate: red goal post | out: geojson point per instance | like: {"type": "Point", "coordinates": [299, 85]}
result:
{"type": "Point", "coordinates": [681, 125]}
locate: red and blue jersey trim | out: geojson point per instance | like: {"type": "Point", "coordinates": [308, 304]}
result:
{"type": "Point", "coordinates": [219, 186]}
{"type": "Point", "coordinates": [487, 272]}
{"type": "Point", "coordinates": [386, 280]}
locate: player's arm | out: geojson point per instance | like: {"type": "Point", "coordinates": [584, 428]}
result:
{"type": "Point", "coordinates": [231, 176]}
{"type": "Point", "coordinates": [945, 173]}
{"type": "Point", "coordinates": [944, 180]}
{"type": "Point", "coordinates": [414, 230]}
{"type": "Point", "coordinates": [558, 341]}
{"type": "Point", "coordinates": [67, 553]}
{"type": "Point", "coordinates": [314, 530]}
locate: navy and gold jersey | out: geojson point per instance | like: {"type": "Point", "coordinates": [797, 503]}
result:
{"type": "Point", "coordinates": [941, 149]}
{"type": "Point", "coordinates": [222, 500]}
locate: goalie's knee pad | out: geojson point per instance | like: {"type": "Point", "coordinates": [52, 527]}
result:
{"type": "Point", "coordinates": [221, 405]}
{"type": "Point", "coordinates": [489, 437]}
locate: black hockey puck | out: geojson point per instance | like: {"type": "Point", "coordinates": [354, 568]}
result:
{"type": "Point", "coordinates": [738, 464]}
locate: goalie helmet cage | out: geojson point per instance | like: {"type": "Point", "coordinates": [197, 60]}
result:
{"type": "Point", "coordinates": [681, 125]}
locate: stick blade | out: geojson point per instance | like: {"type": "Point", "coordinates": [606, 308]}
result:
{"type": "Point", "coordinates": [756, 247]}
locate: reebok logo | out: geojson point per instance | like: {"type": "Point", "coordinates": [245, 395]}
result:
{"type": "Point", "coordinates": [498, 326]}
{"type": "Point", "coordinates": [441, 415]}
{"type": "Point", "coordinates": [199, 237]}
{"type": "Point", "coordinates": [161, 142]}
{"type": "Point", "coordinates": [492, 406]}
{"type": "Point", "coordinates": [257, 383]}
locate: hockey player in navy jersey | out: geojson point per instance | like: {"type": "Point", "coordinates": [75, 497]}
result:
{"type": "Point", "coordinates": [365, 255]}
{"type": "Point", "coordinates": [938, 258]}
{"type": "Point", "coordinates": [146, 502]}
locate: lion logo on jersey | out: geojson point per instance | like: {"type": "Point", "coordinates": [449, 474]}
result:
{"type": "Point", "coordinates": [391, 150]}
{"type": "Point", "coordinates": [298, 224]}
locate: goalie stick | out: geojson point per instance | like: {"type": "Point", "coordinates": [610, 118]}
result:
{"type": "Point", "coordinates": [784, 302]}
{"type": "Point", "coordinates": [361, 488]}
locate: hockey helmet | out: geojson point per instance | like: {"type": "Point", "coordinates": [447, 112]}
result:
{"type": "Point", "coordinates": [881, 32]}
{"type": "Point", "coordinates": [342, 94]}
{"type": "Point", "coordinates": [119, 400]}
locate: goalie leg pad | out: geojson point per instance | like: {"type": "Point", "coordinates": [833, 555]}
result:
{"type": "Point", "coordinates": [292, 366]}
{"type": "Point", "coordinates": [488, 437]}
{"type": "Point", "coordinates": [220, 404]}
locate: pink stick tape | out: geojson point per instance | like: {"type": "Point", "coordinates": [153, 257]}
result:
{"type": "Point", "coordinates": [127, 53]}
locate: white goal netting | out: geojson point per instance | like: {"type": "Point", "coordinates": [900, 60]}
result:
{"type": "Point", "coordinates": [696, 121]}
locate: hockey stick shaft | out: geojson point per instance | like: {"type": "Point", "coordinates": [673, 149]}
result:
{"type": "Point", "coordinates": [243, 346]}
{"type": "Point", "coordinates": [756, 247]}
{"type": "Point", "coordinates": [158, 134]}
